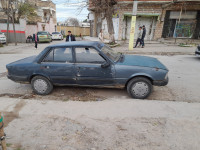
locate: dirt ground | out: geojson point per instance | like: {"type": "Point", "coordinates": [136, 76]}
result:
{"type": "Point", "coordinates": [73, 118]}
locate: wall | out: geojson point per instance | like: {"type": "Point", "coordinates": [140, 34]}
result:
{"type": "Point", "coordinates": [85, 31]}
{"type": "Point", "coordinates": [19, 29]}
{"type": "Point", "coordinates": [32, 29]}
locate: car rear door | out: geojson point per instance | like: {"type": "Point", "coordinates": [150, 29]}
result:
{"type": "Point", "coordinates": [89, 70]}
{"type": "Point", "coordinates": [59, 66]}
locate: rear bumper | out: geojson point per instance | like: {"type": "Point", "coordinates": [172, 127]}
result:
{"type": "Point", "coordinates": [197, 53]}
{"type": "Point", "coordinates": [161, 83]}
{"type": "Point", "coordinates": [20, 79]}
{"type": "Point", "coordinates": [56, 38]}
{"type": "Point", "coordinates": [44, 40]}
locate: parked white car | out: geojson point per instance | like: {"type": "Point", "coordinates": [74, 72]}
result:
{"type": "Point", "coordinates": [57, 36]}
{"type": "Point", "coordinates": [2, 38]}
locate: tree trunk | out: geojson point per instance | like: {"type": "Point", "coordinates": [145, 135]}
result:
{"type": "Point", "coordinates": [7, 22]}
{"type": "Point", "coordinates": [110, 26]}
{"type": "Point", "coordinates": [13, 21]}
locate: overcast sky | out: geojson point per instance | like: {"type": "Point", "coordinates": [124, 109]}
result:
{"type": "Point", "coordinates": [70, 8]}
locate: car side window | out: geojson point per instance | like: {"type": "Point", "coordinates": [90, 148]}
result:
{"type": "Point", "coordinates": [59, 55]}
{"type": "Point", "coordinates": [88, 55]}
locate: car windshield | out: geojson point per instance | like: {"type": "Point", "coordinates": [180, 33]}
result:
{"type": "Point", "coordinates": [111, 53]}
{"type": "Point", "coordinates": [56, 33]}
{"type": "Point", "coordinates": [42, 33]}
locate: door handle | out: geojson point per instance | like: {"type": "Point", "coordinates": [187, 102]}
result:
{"type": "Point", "coordinates": [47, 67]}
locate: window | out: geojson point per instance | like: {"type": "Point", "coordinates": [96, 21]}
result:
{"type": "Point", "coordinates": [60, 55]}
{"type": "Point", "coordinates": [88, 55]}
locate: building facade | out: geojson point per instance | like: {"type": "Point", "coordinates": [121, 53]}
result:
{"type": "Point", "coordinates": [162, 18]}
{"type": "Point", "coordinates": [45, 20]}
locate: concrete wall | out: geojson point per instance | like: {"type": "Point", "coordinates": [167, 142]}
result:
{"type": "Point", "coordinates": [19, 28]}
{"type": "Point", "coordinates": [85, 31]}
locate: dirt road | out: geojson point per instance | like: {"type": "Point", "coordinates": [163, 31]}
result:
{"type": "Point", "coordinates": [113, 124]}
{"type": "Point", "coordinates": [73, 118]}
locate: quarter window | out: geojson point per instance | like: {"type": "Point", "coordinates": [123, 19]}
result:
{"type": "Point", "coordinates": [59, 55]}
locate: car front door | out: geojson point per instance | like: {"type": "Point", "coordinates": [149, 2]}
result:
{"type": "Point", "coordinates": [59, 66]}
{"type": "Point", "coordinates": [89, 70]}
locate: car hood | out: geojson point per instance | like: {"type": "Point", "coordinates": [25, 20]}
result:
{"type": "Point", "coordinates": [143, 61]}
{"type": "Point", "coordinates": [23, 61]}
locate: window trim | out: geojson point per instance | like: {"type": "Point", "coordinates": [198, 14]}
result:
{"type": "Point", "coordinates": [98, 52]}
{"type": "Point", "coordinates": [52, 49]}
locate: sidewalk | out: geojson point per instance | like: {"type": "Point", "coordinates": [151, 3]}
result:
{"type": "Point", "coordinates": [151, 48]}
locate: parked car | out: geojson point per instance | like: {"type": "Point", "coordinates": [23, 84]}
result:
{"type": "Point", "coordinates": [44, 36]}
{"type": "Point", "coordinates": [2, 38]}
{"type": "Point", "coordinates": [197, 52]}
{"type": "Point", "coordinates": [57, 36]}
{"type": "Point", "coordinates": [92, 64]}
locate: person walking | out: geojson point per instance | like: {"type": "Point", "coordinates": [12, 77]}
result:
{"type": "Point", "coordinates": [35, 38]}
{"type": "Point", "coordinates": [143, 35]}
{"type": "Point", "coordinates": [70, 37]}
{"type": "Point", "coordinates": [101, 36]}
{"type": "Point", "coordinates": [139, 37]}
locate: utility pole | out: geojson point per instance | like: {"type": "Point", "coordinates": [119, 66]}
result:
{"type": "Point", "coordinates": [2, 134]}
{"type": "Point", "coordinates": [133, 22]}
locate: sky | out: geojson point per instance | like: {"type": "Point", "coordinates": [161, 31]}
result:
{"type": "Point", "coordinates": [70, 8]}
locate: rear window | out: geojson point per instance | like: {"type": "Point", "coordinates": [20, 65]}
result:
{"type": "Point", "coordinates": [56, 33]}
{"type": "Point", "coordinates": [42, 33]}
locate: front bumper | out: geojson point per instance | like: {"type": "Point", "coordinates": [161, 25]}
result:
{"type": "Point", "coordinates": [161, 83]}
{"type": "Point", "coordinates": [2, 41]}
{"type": "Point", "coordinates": [20, 79]}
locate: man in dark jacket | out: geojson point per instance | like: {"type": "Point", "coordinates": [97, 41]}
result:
{"type": "Point", "coordinates": [70, 37]}
{"type": "Point", "coordinates": [143, 35]}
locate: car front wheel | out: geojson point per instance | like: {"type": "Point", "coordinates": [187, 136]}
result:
{"type": "Point", "coordinates": [139, 87]}
{"type": "Point", "coordinates": [41, 85]}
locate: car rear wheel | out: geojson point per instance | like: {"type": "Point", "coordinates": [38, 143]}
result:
{"type": "Point", "coordinates": [139, 87]}
{"type": "Point", "coordinates": [41, 85]}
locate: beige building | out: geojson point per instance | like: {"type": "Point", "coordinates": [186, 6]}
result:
{"type": "Point", "coordinates": [161, 18]}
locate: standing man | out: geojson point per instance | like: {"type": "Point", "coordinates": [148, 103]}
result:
{"type": "Point", "coordinates": [143, 35]}
{"type": "Point", "coordinates": [139, 37]}
{"type": "Point", "coordinates": [70, 37]}
{"type": "Point", "coordinates": [35, 38]}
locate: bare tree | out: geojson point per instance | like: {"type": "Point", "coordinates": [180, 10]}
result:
{"type": "Point", "coordinates": [72, 22]}
{"type": "Point", "coordinates": [104, 8]}
{"type": "Point", "coordinates": [7, 8]}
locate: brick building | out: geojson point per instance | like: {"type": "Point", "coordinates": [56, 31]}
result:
{"type": "Point", "coordinates": [162, 18]}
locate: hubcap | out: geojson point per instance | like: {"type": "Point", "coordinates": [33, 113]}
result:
{"type": "Point", "coordinates": [40, 85]}
{"type": "Point", "coordinates": [140, 89]}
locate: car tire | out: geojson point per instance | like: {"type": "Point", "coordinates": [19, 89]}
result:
{"type": "Point", "coordinates": [139, 88]}
{"type": "Point", "coordinates": [41, 85]}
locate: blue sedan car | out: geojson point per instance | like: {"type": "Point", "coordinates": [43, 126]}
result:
{"type": "Point", "coordinates": [91, 64]}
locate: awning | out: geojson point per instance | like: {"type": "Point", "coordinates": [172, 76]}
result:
{"type": "Point", "coordinates": [143, 14]}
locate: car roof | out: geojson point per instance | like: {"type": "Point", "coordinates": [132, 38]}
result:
{"type": "Point", "coordinates": [79, 43]}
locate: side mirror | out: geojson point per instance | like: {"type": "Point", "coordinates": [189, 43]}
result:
{"type": "Point", "coordinates": [105, 64]}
